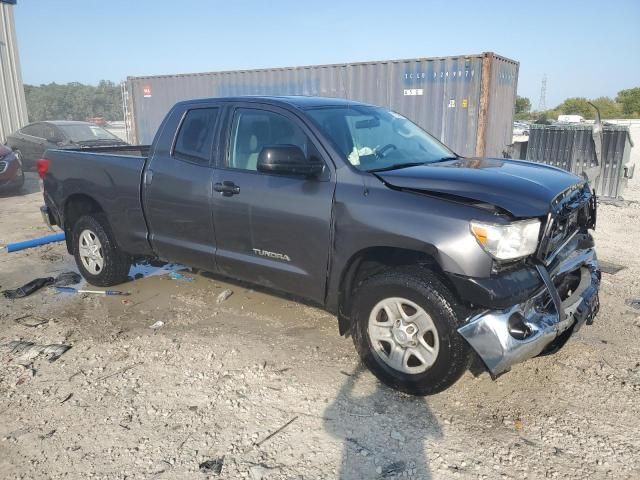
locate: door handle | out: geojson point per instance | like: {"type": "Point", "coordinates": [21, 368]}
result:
{"type": "Point", "coordinates": [227, 188]}
{"type": "Point", "coordinates": [148, 176]}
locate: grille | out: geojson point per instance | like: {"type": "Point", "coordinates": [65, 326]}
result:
{"type": "Point", "coordinates": [572, 212]}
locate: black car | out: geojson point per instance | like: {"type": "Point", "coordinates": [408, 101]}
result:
{"type": "Point", "coordinates": [30, 142]}
{"type": "Point", "coordinates": [11, 173]}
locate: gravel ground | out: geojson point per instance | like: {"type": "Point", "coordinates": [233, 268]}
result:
{"type": "Point", "coordinates": [264, 386]}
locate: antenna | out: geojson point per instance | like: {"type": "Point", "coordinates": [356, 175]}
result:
{"type": "Point", "coordinates": [542, 104]}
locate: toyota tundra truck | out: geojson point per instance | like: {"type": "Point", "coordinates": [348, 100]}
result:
{"type": "Point", "coordinates": [433, 263]}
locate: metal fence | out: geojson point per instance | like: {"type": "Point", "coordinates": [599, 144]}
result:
{"type": "Point", "coordinates": [571, 147]}
{"type": "Point", "coordinates": [466, 101]}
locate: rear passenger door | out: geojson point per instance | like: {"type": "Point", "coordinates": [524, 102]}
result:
{"type": "Point", "coordinates": [272, 229]}
{"type": "Point", "coordinates": [177, 188]}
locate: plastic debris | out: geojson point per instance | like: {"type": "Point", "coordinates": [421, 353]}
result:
{"type": "Point", "coordinates": [180, 277]}
{"type": "Point", "coordinates": [28, 351]}
{"type": "Point", "coordinates": [633, 302]}
{"type": "Point", "coordinates": [28, 288]}
{"type": "Point", "coordinates": [65, 278]}
{"type": "Point", "coordinates": [223, 296]}
{"type": "Point", "coordinates": [212, 466]}
{"type": "Point", "coordinates": [35, 242]}
{"type": "Point", "coordinates": [25, 322]}
{"type": "Point", "coordinates": [157, 325]}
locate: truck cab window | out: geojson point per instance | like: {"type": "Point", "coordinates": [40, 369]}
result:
{"type": "Point", "coordinates": [195, 137]}
{"type": "Point", "coordinates": [255, 129]}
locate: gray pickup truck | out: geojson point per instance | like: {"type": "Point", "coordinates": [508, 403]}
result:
{"type": "Point", "coordinates": [433, 263]}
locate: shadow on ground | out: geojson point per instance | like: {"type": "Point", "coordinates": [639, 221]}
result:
{"type": "Point", "coordinates": [391, 442]}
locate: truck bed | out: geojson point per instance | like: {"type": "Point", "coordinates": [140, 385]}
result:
{"type": "Point", "coordinates": [112, 177]}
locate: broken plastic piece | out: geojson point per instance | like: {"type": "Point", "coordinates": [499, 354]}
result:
{"type": "Point", "coordinates": [28, 288]}
{"type": "Point", "coordinates": [223, 296]}
{"type": "Point", "coordinates": [212, 466]}
{"type": "Point", "coordinates": [27, 351]}
{"type": "Point", "coordinates": [157, 325]}
{"type": "Point", "coordinates": [65, 278]}
{"type": "Point", "coordinates": [633, 302]}
{"type": "Point", "coordinates": [180, 277]}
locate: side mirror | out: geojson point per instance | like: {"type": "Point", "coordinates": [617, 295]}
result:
{"type": "Point", "coordinates": [288, 160]}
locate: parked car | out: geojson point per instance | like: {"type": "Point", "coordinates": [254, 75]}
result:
{"type": "Point", "coordinates": [429, 260]}
{"type": "Point", "coordinates": [30, 142]}
{"type": "Point", "coordinates": [520, 129]}
{"type": "Point", "coordinates": [11, 172]}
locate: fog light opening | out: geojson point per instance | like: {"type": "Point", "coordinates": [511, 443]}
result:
{"type": "Point", "coordinates": [518, 329]}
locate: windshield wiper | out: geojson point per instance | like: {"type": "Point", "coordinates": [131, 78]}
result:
{"type": "Point", "coordinates": [444, 159]}
{"type": "Point", "coordinates": [395, 166]}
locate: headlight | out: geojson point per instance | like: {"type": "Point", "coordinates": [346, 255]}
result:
{"type": "Point", "coordinates": [509, 241]}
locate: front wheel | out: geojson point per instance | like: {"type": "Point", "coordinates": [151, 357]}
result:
{"type": "Point", "coordinates": [98, 257]}
{"type": "Point", "coordinates": [405, 331]}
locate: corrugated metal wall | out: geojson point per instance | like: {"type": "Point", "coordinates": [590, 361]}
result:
{"type": "Point", "coordinates": [503, 85]}
{"type": "Point", "coordinates": [13, 107]}
{"type": "Point", "coordinates": [442, 95]}
{"type": "Point", "coordinates": [571, 148]}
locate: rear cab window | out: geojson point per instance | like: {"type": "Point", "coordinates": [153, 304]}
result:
{"type": "Point", "coordinates": [194, 142]}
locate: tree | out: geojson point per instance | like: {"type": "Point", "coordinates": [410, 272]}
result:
{"type": "Point", "coordinates": [608, 108]}
{"type": "Point", "coordinates": [74, 101]}
{"type": "Point", "coordinates": [630, 101]}
{"type": "Point", "coordinates": [523, 105]}
{"type": "Point", "coordinates": [576, 106]}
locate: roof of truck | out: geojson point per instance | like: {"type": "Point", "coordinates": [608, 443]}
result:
{"type": "Point", "coordinates": [299, 101]}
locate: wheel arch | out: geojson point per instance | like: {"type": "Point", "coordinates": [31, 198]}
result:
{"type": "Point", "coordinates": [372, 260]}
{"type": "Point", "coordinates": [77, 205]}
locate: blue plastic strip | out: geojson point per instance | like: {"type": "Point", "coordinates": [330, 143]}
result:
{"type": "Point", "coordinates": [34, 242]}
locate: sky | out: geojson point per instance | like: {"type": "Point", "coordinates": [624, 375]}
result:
{"type": "Point", "coordinates": [585, 47]}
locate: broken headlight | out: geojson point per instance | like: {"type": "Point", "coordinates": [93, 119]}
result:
{"type": "Point", "coordinates": [509, 241]}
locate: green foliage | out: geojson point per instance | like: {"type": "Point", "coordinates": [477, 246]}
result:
{"type": "Point", "coordinates": [630, 101]}
{"type": "Point", "coordinates": [576, 106]}
{"type": "Point", "coordinates": [523, 105]}
{"type": "Point", "coordinates": [608, 108]}
{"type": "Point", "coordinates": [74, 101]}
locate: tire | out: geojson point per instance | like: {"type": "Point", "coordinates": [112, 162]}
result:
{"type": "Point", "coordinates": [115, 263]}
{"type": "Point", "coordinates": [18, 186]}
{"type": "Point", "coordinates": [450, 355]}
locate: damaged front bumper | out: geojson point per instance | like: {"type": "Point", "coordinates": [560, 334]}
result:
{"type": "Point", "coordinates": [542, 323]}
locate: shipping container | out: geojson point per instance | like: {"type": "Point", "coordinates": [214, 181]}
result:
{"type": "Point", "coordinates": [466, 101]}
{"type": "Point", "coordinates": [13, 107]}
{"type": "Point", "coordinates": [572, 148]}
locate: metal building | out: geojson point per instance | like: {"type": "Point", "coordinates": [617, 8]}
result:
{"type": "Point", "coordinates": [466, 101]}
{"type": "Point", "coordinates": [13, 107]}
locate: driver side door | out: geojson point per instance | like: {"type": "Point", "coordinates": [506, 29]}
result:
{"type": "Point", "coordinates": [272, 229]}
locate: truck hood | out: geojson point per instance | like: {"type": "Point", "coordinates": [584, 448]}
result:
{"type": "Point", "coordinates": [524, 189]}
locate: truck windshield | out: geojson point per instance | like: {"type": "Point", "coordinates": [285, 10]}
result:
{"type": "Point", "coordinates": [80, 133]}
{"type": "Point", "coordinates": [374, 139]}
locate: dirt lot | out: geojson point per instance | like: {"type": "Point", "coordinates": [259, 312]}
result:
{"type": "Point", "coordinates": [216, 381]}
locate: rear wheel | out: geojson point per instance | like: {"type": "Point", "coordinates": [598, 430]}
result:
{"type": "Point", "coordinates": [97, 255]}
{"type": "Point", "coordinates": [405, 331]}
